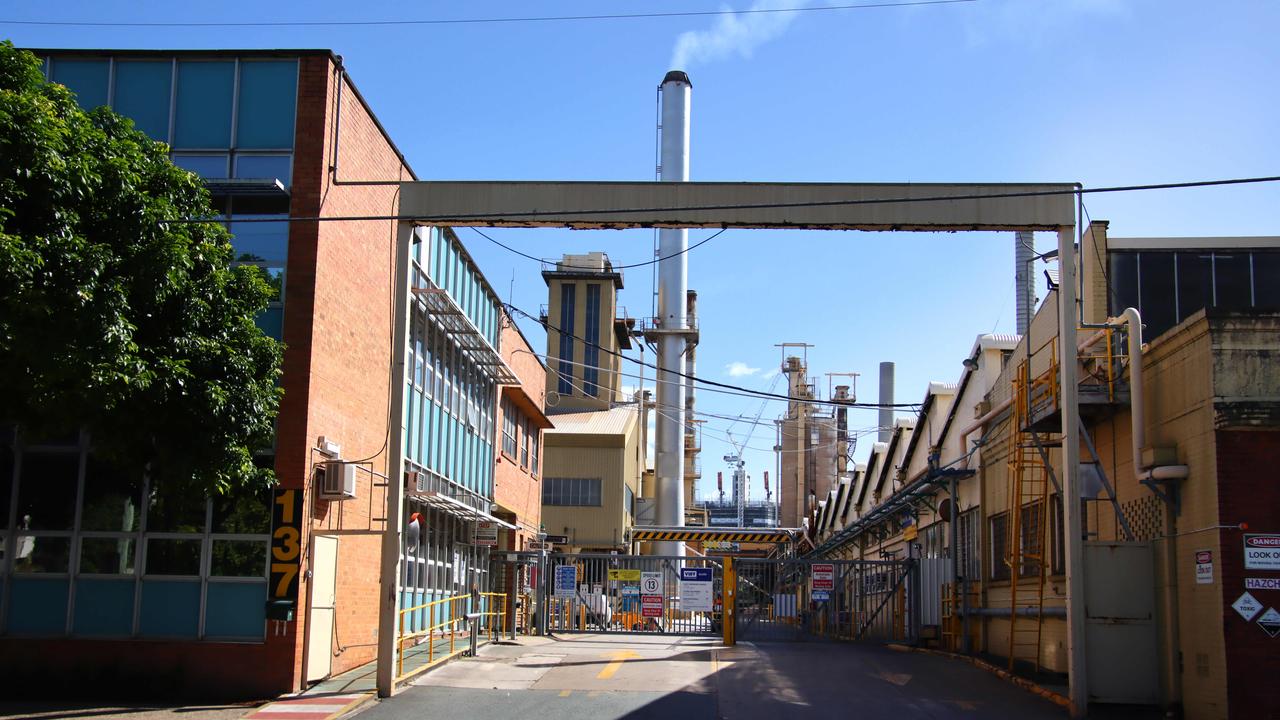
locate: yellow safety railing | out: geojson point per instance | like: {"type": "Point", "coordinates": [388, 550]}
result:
{"type": "Point", "coordinates": [1101, 366]}
{"type": "Point", "coordinates": [448, 617]}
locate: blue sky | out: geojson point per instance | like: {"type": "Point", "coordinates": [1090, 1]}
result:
{"type": "Point", "coordinates": [1102, 92]}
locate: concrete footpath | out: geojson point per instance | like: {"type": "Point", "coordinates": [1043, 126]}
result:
{"type": "Point", "coordinates": [603, 677]}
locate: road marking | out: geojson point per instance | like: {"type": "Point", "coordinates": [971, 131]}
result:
{"type": "Point", "coordinates": [895, 678]}
{"type": "Point", "coordinates": [309, 707]}
{"type": "Point", "coordinates": [619, 657]}
{"type": "Point", "coordinates": [566, 693]}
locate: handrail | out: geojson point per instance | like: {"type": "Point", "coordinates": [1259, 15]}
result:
{"type": "Point", "coordinates": [452, 611]}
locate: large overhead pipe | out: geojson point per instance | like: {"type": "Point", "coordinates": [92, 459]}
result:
{"type": "Point", "coordinates": [673, 285]}
{"type": "Point", "coordinates": [886, 402]}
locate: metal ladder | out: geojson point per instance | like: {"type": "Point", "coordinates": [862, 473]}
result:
{"type": "Point", "coordinates": [1027, 552]}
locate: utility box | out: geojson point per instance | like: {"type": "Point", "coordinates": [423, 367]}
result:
{"type": "Point", "coordinates": [336, 480]}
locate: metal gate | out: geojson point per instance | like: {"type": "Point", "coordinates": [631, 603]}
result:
{"type": "Point", "coordinates": [599, 593]}
{"type": "Point", "coordinates": [842, 599]}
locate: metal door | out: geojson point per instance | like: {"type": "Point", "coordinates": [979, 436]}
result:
{"type": "Point", "coordinates": [323, 593]}
{"type": "Point", "coordinates": [590, 592]}
{"type": "Point", "coordinates": [841, 599]}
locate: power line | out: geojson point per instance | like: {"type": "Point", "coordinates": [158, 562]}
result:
{"type": "Point", "coordinates": [655, 261]}
{"type": "Point", "coordinates": [481, 21]}
{"type": "Point", "coordinates": [738, 388]}
{"type": "Point", "coordinates": [460, 219]}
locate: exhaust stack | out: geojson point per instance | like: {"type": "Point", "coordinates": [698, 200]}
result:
{"type": "Point", "coordinates": [886, 401]}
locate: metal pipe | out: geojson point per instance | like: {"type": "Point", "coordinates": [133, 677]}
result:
{"type": "Point", "coordinates": [1054, 612]}
{"type": "Point", "coordinates": [886, 402]}
{"type": "Point", "coordinates": [673, 285]}
{"type": "Point", "coordinates": [977, 424]}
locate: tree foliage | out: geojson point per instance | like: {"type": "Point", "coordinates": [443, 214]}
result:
{"type": "Point", "coordinates": [112, 319]}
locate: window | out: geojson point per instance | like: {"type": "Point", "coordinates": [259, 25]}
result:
{"type": "Point", "coordinates": [206, 166]}
{"type": "Point", "coordinates": [535, 438]}
{"type": "Point", "coordinates": [1156, 277]}
{"type": "Point", "coordinates": [205, 92]}
{"type": "Point", "coordinates": [573, 492]}
{"type": "Point", "coordinates": [88, 79]}
{"type": "Point", "coordinates": [268, 96]}
{"type": "Point", "coordinates": [967, 538]}
{"type": "Point", "coordinates": [509, 430]}
{"type": "Point", "coordinates": [524, 445]}
{"type": "Point", "coordinates": [1031, 536]}
{"type": "Point", "coordinates": [629, 497]}
{"type": "Point", "coordinates": [591, 349]}
{"type": "Point", "coordinates": [1266, 280]}
{"type": "Point", "coordinates": [567, 293]}
{"type": "Point", "coordinates": [1231, 281]}
{"type": "Point", "coordinates": [142, 94]}
{"type": "Point", "coordinates": [279, 167]}
{"type": "Point", "coordinates": [999, 542]}
{"type": "Point", "coordinates": [1195, 282]}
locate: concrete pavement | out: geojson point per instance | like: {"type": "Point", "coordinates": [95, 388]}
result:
{"type": "Point", "coordinates": [606, 677]}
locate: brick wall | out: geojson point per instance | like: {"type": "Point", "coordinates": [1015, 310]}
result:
{"type": "Point", "coordinates": [1248, 492]}
{"type": "Point", "coordinates": [515, 489]}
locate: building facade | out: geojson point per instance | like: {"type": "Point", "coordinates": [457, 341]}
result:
{"type": "Point", "coordinates": [254, 596]}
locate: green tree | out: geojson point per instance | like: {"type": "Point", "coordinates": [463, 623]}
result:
{"type": "Point", "coordinates": [113, 319]}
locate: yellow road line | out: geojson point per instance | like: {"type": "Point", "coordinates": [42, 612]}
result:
{"type": "Point", "coordinates": [619, 657]}
{"type": "Point", "coordinates": [566, 693]}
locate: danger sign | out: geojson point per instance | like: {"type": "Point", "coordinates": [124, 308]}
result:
{"type": "Point", "coordinates": [1262, 552]}
{"type": "Point", "coordinates": [824, 576]}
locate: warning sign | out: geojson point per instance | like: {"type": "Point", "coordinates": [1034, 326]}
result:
{"type": "Point", "coordinates": [651, 594]}
{"type": "Point", "coordinates": [1270, 622]}
{"type": "Point", "coordinates": [1262, 583]}
{"type": "Point", "coordinates": [1247, 605]}
{"type": "Point", "coordinates": [824, 576]}
{"type": "Point", "coordinates": [1262, 552]}
{"type": "Point", "coordinates": [651, 606]}
{"type": "Point", "coordinates": [625, 575]}
{"type": "Point", "coordinates": [1204, 567]}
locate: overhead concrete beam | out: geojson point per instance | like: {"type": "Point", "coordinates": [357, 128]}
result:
{"type": "Point", "coordinates": [828, 206]}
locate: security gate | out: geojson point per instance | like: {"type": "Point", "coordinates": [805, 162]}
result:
{"type": "Point", "coordinates": [844, 599]}
{"type": "Point", "coordinates": [599, 593]}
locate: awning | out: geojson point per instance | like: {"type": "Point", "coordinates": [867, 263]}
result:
{"type": "Point", "coordinates": [439, 305]}
{"type": "Point", "coordinates": [456, 508]}
{"type": "Point", "coordinates": [521, 399]}
{"type": "Point", "coordinates": [244, 187]}
{"type": "Point", "coordinates": [702, 534]}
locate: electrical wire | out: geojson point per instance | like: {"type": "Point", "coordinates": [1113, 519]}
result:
{"type": "Point", "coordinates": [455, 219]}
{"type": "Point", "coordinates": [480, 21]}
{"type": "Point", "coordinates": [748, 392]}
{"type": "Point", "coordinates": [655, 261]}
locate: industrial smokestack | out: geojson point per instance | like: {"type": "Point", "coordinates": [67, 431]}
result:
{"type": "Point", "coordinates": [768, 492]}
{"type": "Point", "coordinates": [673, 286]}
{"type": "Point", "coordinates": [1024, 249]}
{"type": "Point", "coordinates": [886, 402]}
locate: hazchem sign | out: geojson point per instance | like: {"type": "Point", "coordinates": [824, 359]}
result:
{"type": "Point", "coordinates": [566, 579]}
{"type": "Point", "coordinates": [824, 576]}
{"type": "Point", "coordinates": [695, 589]}
{"type": "Point", "coordinates": [1262, 583]}
{"type": "Point", "coordinates": [1247, 605]}
{"type": "Point", "coordinates": [1262, 552]}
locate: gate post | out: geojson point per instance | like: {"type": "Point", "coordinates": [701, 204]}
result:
{"type": "Point", "coordinates": [729, 592]}
{"type": "Point", "coordinates": [913, 600]}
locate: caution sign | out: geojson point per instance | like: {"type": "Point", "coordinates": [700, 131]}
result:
{"type": "Point", "coordinates": [651, 594]}
{"type": "Point", "coordinates": [1204, 567]}
{"type": "Point", "coordinates": [1270, 622]}
{"type": "Point", "coordinates": [1262, 552]}
{"type": "Point", "coordinates": [824, 576]}
{"type": "Point", "coordinates": [286, 544]}
{"type": "Point", "coordinates": [625, 575]}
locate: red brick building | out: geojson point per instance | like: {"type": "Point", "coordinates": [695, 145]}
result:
{"type": "Point", "coordinates": [181, 598]}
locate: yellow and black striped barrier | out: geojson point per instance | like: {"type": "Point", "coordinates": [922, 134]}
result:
{"type": "Point", "coordinates": [763, 535]}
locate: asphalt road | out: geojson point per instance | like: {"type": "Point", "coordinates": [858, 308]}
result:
{"type": "Point", "coordinates": [606, 677]}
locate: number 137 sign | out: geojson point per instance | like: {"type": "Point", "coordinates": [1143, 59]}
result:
{"type": "Point", "coordinates": [286, 543]}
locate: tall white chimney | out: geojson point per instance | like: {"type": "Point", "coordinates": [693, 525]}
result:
{"type": "Point", "coordinates": [886, 401]}
{"type": "Point", "coordinates": [1024, 249]}
{"type": "Point", "coordinates": [673, 285]}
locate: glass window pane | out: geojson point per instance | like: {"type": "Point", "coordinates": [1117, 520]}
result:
{"type": "Point", "coordinates": [86, 78]}
{"type": "Point", "coordinates": [206, 166]}
{"type": "Point", "coordinates": [107, 556]}
{"type": "Point", "coordinates": [1156, 271]}
{"type": "Point", "coordinates": [1266, 280]}
{"type": "Point", "coordinates": [243, 514]}
{"type": "Point", "coordinates": [47, 490]}
{"type": "Point", "coordinates": [1231, 281]}
{"type": "Point", "coordinates": [279, 167]}
{"type": "Point", "coordinates": [239, 558]}
{"type": "Point", "coordinates": [174, 511]}
{"type": "Point", "coordinates": [112, 499]}
{"type": "Point", "coordinates": [41, 554]}
{"type": "Point", "coordinates": [204, 104]}
{"type": "Point", "coordinates": [1195, 288]}
{"type": "Point", "coordinates": [142, 94]}
{"type": "Point", "coordinates": [173, 557]}
{"type": "Point", "coordinates": [1123, 281]}
{"type": "Point", "coordinates": [268, 96]}
{"type": "Point", "coordinates": [271, 322]}
{"type": "Point", "coordinates": [260, 240]}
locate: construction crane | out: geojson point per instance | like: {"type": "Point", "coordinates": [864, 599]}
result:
{"type": "Point", "coordinates": [738, 465]}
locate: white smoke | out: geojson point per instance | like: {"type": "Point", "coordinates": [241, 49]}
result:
{"type": "Point", "coordinates": [734, 34]}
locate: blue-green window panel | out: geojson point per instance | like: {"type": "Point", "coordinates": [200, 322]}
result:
{"type": "Point", "coordinates": [271, 322]}
{"type": "Point", "coordinates": [205, 91]}
{"type": "Point", "coordinates": [235, 610]}
{"type": "Point", "coordinates": [38, 606]}
{"type": "Point", "coordinates": [88, 79]}
{"type": "Point", "coordinates": [206, 166]}
{"type": "Point", "coordinates": [104, 607]}
{"type": "Point", "coordinates": [268, 100]}
{"type": "Point", "coordinates": [279, 167]}
{"type": "Point", "coordinates": [170, 608]}
{"type": "Point", "coordinates": [142, 95]}
{"type": "Point", "coordinates": [406, 421]}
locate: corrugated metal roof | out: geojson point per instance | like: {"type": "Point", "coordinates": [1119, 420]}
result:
{"type": "Point", "coordinates": [616, 421]}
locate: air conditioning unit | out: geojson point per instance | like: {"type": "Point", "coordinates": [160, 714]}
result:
{"type": "Point", "coordinates": [337, 480]}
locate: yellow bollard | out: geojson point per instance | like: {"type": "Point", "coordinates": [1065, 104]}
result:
{"type": "Point", "coordinates": [729, 593]}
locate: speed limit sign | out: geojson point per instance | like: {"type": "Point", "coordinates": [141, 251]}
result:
{"type": "Point", "coordinates": [651, 583]}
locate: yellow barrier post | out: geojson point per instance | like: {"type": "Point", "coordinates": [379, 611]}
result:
{"type": "Point", "coordinates": [729, 592]}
